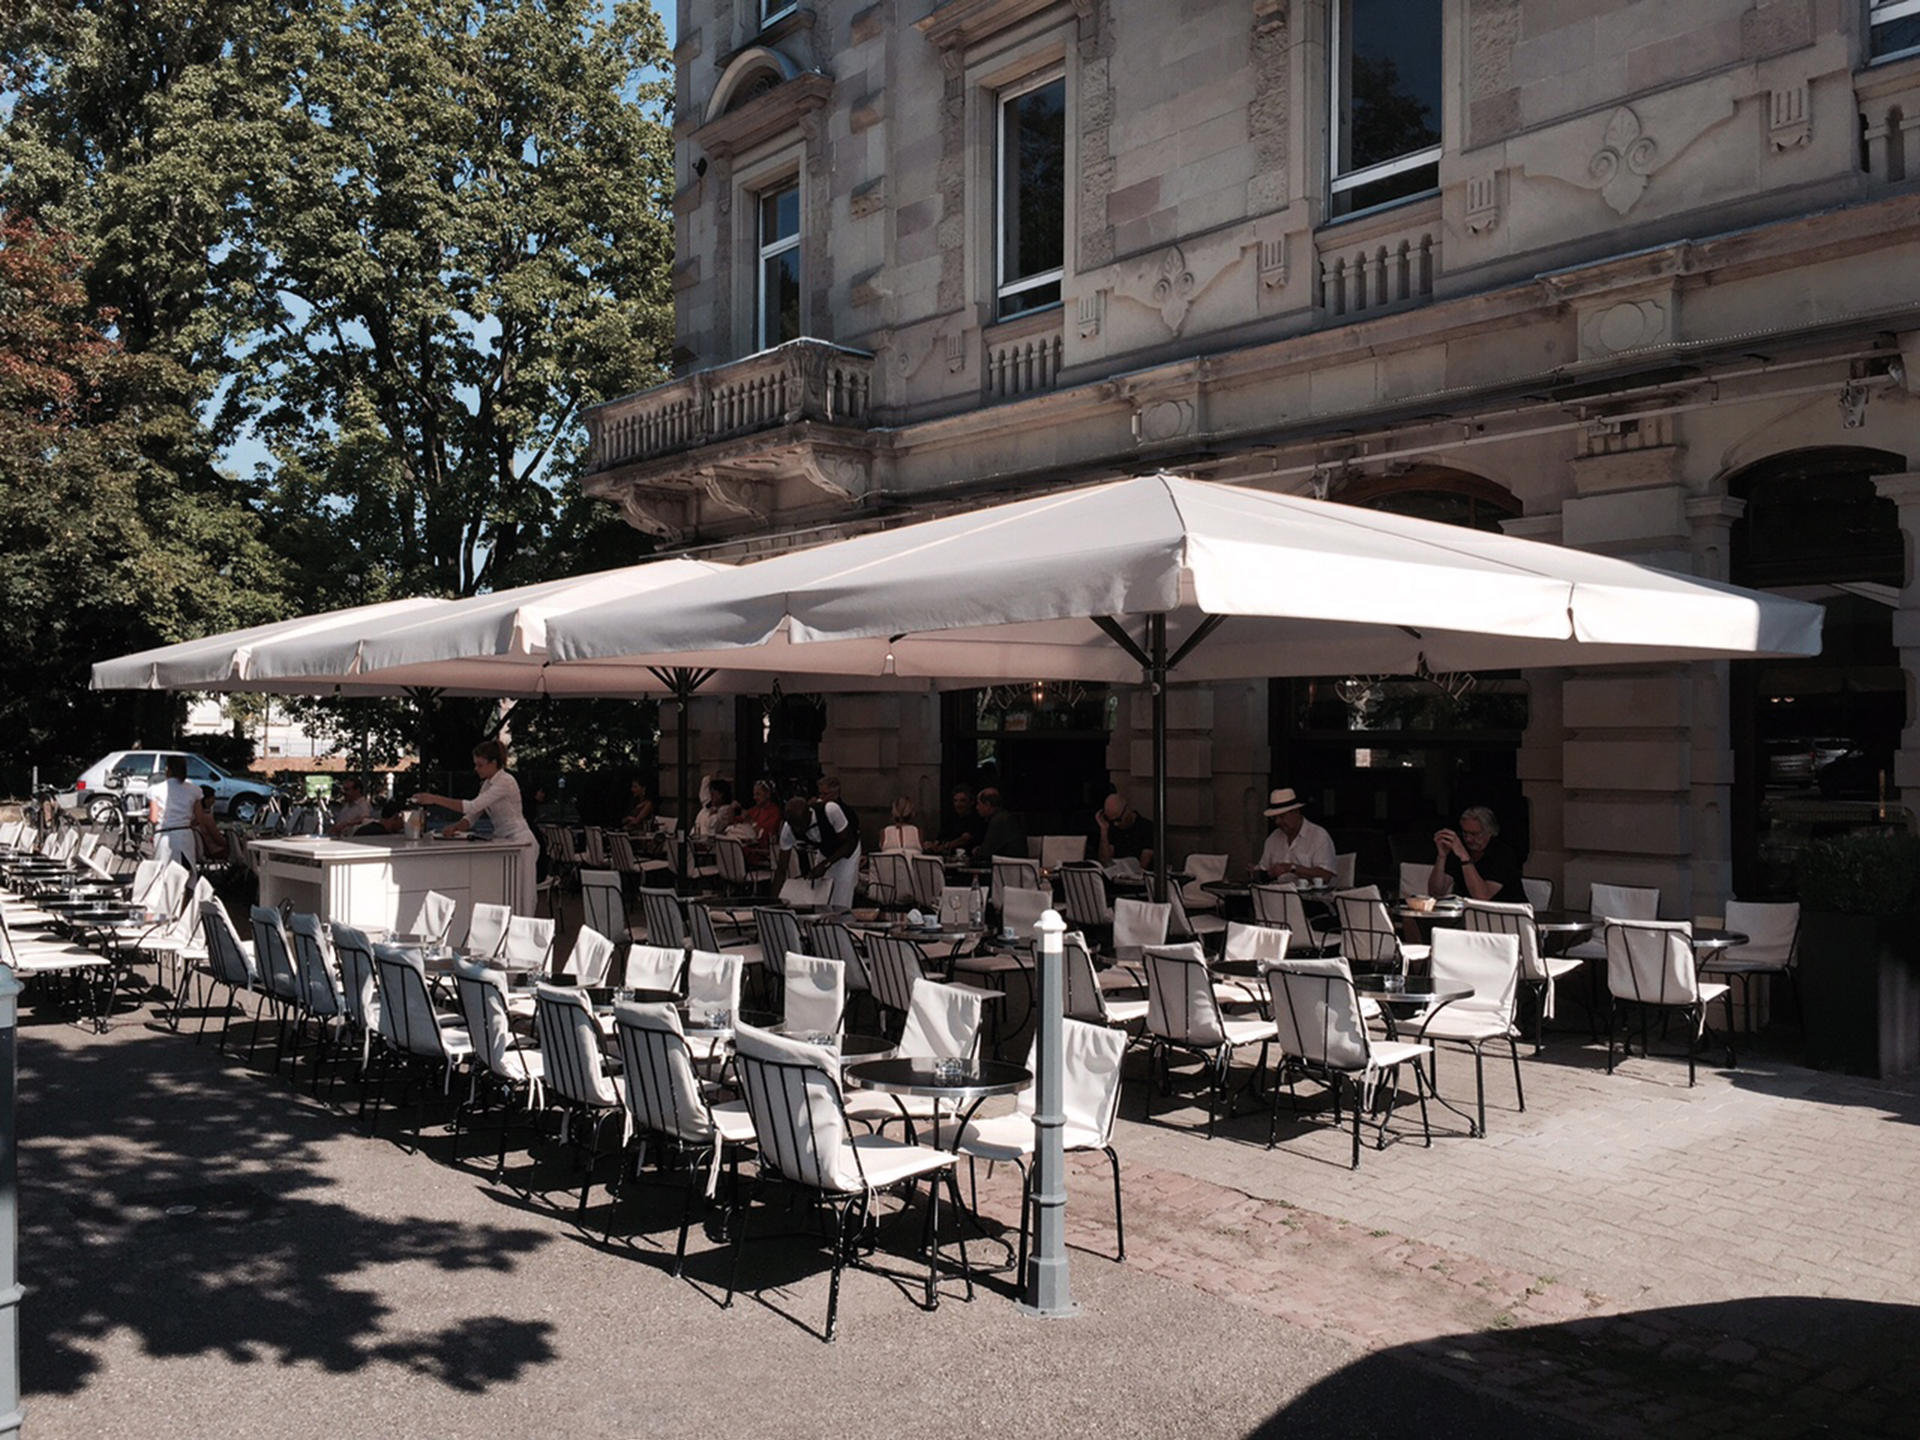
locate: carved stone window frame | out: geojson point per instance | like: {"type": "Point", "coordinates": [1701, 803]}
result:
{"type": "Point", "coordinates": [1024, 60]}
{"type": "Point", "coordinates": [770, 167]}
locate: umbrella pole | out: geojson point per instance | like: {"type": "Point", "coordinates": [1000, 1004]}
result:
{"type": "Point", "coordinates": [1157, 684]}
{"type": "Point", "coordinates": [1048, 1291]}
{"type": "Point", "coordinates": [683, 692]}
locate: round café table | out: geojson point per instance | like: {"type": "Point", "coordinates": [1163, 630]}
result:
{"type": "Point", "coordinates": [1415, 998]}
{"type": "Point", "coordinates": [965, 1087]}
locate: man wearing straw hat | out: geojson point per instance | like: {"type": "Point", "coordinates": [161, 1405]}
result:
{"type": "Point", "coordinates": [1297, 849]}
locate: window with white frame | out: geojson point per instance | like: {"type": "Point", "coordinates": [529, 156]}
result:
{"type": "Point", "coordinates": [771, 10]}
{"type": "Point", "coordinates": [1030, 164]}
{"type": "Point", "coordinates": [1895, 28]}
{"type": "Point", "coordinates": [777, 283]}
{"type": "Point", "coordinates": [1385, 93]}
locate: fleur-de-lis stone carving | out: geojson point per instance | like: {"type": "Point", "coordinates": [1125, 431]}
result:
{"type": "Point", "coordinates": [1624, 161]}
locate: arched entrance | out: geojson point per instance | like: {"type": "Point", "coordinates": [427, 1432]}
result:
{"type": "Point", "coordinates": [1383, 760]}
{"type": "Point", "coordinates": [1814, 739]}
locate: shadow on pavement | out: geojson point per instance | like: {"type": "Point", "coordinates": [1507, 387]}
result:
{"type": "Point", "coordinates": [168, 1197]}
{"type": "Point", "coordinates": [1775, 1366]}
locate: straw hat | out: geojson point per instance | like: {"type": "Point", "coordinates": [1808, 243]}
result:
{"type": "Point", "coordinates": [1282, 801]}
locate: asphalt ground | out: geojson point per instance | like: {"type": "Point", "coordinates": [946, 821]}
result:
{"type": "Point", "coordinates": [209, 1252]}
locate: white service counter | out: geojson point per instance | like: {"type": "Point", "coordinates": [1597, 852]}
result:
{"type": "Point", "coordinates": [381, 881]}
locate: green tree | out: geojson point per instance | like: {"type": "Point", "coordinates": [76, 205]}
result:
{"type": "Point", "coordinates": [463, 223]}
{"type": "Point", "coordinates": [100, 551]}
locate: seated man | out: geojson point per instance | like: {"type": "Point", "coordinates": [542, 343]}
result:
{"type": "Point", "coordinates": [1121, 832]}
{"type": "Point", "coordinates": [960, 827]}
{"type": "Point", "coordinates": [355, 809]}
{"type": "Point", "coordinates": [392, 821]}
{"type": "Point", "coordinates": [1296, 849]}
{"type": "Point", "coordinates": [1474, 862]}
{"type": "Point", "coordinates": [1002, 833]}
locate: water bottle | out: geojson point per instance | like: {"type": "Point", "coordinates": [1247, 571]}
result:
{"type": "Point", "coordinates": [976, 906]}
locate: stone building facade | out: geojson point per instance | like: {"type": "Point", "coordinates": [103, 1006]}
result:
{"type": "Point", "coordinates": [1637, 277]}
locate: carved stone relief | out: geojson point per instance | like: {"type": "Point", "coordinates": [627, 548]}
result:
{"type": "Point", "coordinates": [1625, 325]}
{"type": "Point", "coordinates": [1168, 284]}
{"type": "Point", "coordinates": [1160, 420]}
{"type": "Point", "coordinates": [1483, 202]}
{"type": "Point", "coordinates": [1789, 117]}
{"type": "Point", "coordinates": [1632, 147]}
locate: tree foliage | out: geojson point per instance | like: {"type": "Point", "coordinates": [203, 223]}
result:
{"type": "Point", "coordinates": [394, 246]}
{"type": "Point", "coordinates": [104, 549]}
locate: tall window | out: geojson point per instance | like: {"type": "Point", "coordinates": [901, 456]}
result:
{"type": "Point", "coordinates": [1386, 101]}
{"type": "Point", "coordinates": [1896, 27]}
{"type": "Point", "coordinates": [778, 309]}
{"type": "Point", "coordinates": [1031, 166]}
{"type": "Point", "coordinates": [771, 10]}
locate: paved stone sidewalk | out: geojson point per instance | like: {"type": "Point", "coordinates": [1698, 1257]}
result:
{"type": "Point", "coordinates": [1627, 1251]}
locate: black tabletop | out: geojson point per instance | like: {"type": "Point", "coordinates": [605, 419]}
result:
{"type": "Point", "coordinates": [975, 1080]}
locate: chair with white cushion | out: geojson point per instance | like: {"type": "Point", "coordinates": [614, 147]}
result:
{"type": "Point", "coordinates": [816, 995]}
{"type": "Point", "coordinates": [654, 967]}
{"type": "Point", "coordinates": [1090, 1099]}
{"type": "Point", "coordinates": [487, 930]}
{"type": "Point", "coordinates": [576, 1079]}
{"type": "Point", "coordinates": [501, 1060]}
{"type": "Point", "coordinates": [1487, 964]}
{"type": "Point", "coordinates": [792, 1091]}
{"type": "Point", "coordinates": [730, 859]}
{"type": "Point", "coordinates": [1343, 868]}
{"type": "Point", "coordinates": [1539, 973]}
{"type": "Point", "coordinates": [713, 993]}
{"type": "Point", "coordinates": [587, 962]}
{"type": "Point", "coordinates": [434, 919]}
{"type": "Point", "coordinates": [415, 1032]}
{"type": "Point", "coordinates": [667, 1104]}
{"type": "Point", "coordinates": [1615, 902]}
{"type": "Point", "coordinates": [1086, 999]}
{"type": "Point", "coordinates": [943, 1023]}
{"type": "Point", "coordinates": [360, 990]}
{"type": "Point", "coordinates": [1651, 966]}
{"type": "Point", "coordinates": [1773, 934]}
{"type": "Point", "coordinates": [1539, 891]}
{"type": "Point", "coordinates": [1058, 850]}
{"type": "Point", "coordinates": [1281, 905]}
{"type": "Point", "coordinates": [1201, 869]}
{"type": "Point", "coordinates": [281, 983]}
{"type": "Point", "coordinates": [527, 946]}
{"type": "Point", "coordinates": [1184, 1014]}
{"type": "Point", "coordinates": [1414, 877]}
{"type": "Point", "coordinates": [1316, 1012]}
{"type": "Point", "coordinates": [319, 997]}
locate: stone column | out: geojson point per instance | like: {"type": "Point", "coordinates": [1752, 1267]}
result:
{"type": "Point", "coordinates": [1711, 761]}
{"type": "Point", "coordinates": [1903, 488]}
{"type": "Point", "coordinates": [1627, 755]}
{"type": "Point", "coordinates": [1540, 763]}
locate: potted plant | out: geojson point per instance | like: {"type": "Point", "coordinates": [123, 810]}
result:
{"type": "Point", "coordinates": [1859, 970]}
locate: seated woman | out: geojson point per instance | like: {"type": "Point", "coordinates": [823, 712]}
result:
{"type": "Point", "coordinates": [640, 817]}
{"type": "Point", "coordinates": [206, 831]}
{"type": "Point", "coordinates": [719, 814]}
{"type": "Point", "coordinates": [766, 813]}
{"type": "Point", "coordinates": [902, 833]}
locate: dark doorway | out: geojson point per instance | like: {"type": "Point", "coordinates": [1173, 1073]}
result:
{"type": "Point", "coordinates": [1044, 744]}
{"type": "Point", "coordinates": [1814, 739]}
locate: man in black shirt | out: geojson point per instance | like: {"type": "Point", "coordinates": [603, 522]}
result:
{"type": "Point", "coordinates": [1003, 834]}
{"type": "Point", "coordinates": [1474, 863]}
{"type": "Point", "coordinates": [961, 828]}
{"type": "Point", "coordinates": [1121, 832]}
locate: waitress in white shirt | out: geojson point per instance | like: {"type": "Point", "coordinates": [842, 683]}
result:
{"type": "Point", "coordinates": [170, 809]}
{"type": "Point", "coordinates": [499, 801]}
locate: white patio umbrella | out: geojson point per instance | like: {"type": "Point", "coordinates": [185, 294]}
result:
{"type": "Point", "coordinates": [492, 645]}
{"type": "Point", "coordinates": [216, 661]}
{"type": "Point", "coordinates": [1133, 579]}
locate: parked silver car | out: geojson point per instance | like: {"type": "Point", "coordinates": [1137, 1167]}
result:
{"type": "Point", "coordinates": [122, 777]}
